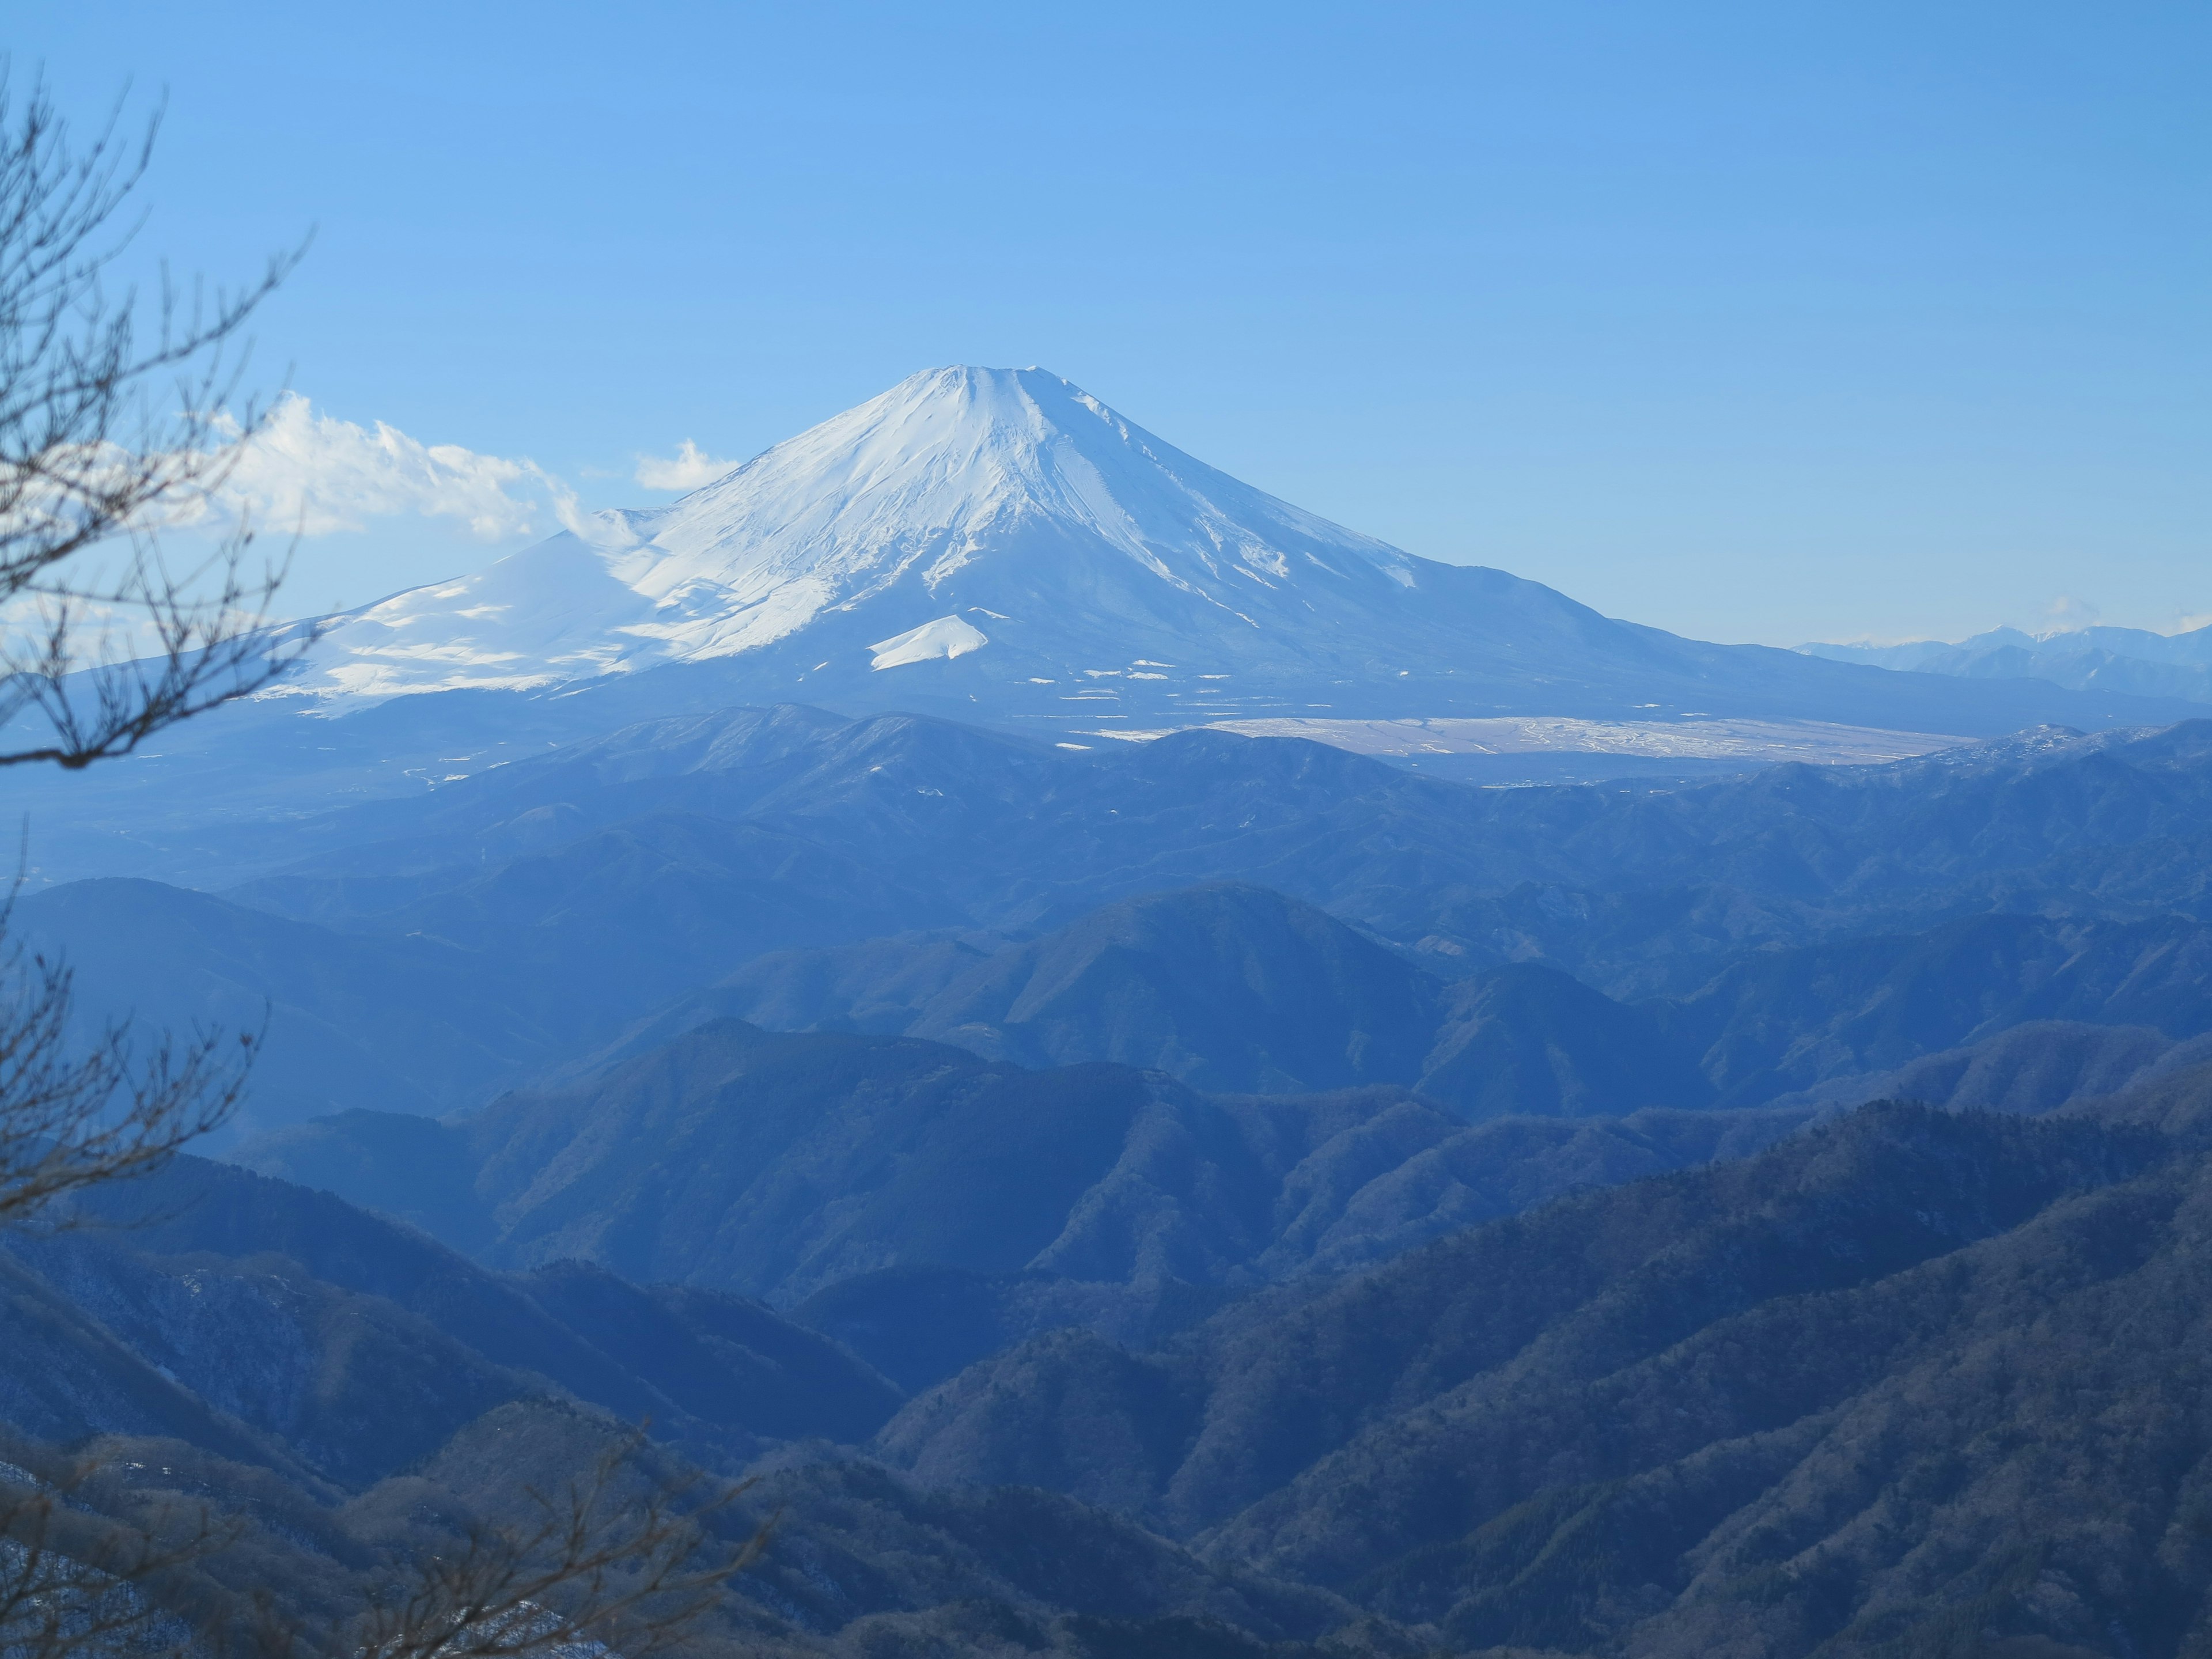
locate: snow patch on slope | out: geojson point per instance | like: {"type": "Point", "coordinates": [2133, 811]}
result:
{"type": "Point", "coordinates": [948, 637]}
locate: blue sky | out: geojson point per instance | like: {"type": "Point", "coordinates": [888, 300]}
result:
{"type": "Point", "coordinates": [1755, 322]}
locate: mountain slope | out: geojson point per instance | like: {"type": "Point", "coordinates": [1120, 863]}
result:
{"type": "Point", "coordinates": [778, 1165]}
{"type": "Point", "coordinates": [1828, 1399]}
{"type": "Point", "coordinates": [361, 1344]}
{"type": "Point", "coordinates": [401, 1023]}
{"type": "Point", "coordinates": [1227, 986]}
{"type": "Point", "coordinates": [999, 541]}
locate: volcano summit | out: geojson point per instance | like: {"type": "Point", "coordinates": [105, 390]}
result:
{"type": "Point", "coordinates": [999, 544]}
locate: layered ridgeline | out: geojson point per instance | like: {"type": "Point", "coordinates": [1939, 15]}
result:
{"type": "Point", "coordinates": [325, 1390]}
{"type": "Point", "coordinates": [999, 547]}
{"type": "Point", "coordinates": [999, 543]}
{"type": "Point", "coordinates": [1234, 1195]}
{"type": "Point", "coordinates": [1245, 915]}
{"type": "Point", "coordinates": [2129, 660]}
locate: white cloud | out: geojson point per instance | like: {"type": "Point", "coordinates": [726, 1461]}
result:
{"type": "Point", "coordinates": [687, 470]}
{"type": "Point", "coordinates": [2067, 615]}
{"type": "Point", "coordinates": [318, 474]}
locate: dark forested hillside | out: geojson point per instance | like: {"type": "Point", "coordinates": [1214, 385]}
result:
{"type": "Point", "coordinates": [1215, 1196]}
{"type": "Point", "coordinates": [1809, 1399]}
{"type": "Point", "coordinates": [776, 1166]}
{"type": "Point", "coordinates": [331, 1392]}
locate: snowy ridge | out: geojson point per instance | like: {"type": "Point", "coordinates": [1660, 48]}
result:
{"type": "Point", "coordinates": [956, 484]}
{"type": "Point", "coordinates": [999, 545]}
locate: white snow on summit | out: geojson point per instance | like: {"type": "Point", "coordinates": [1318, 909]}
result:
{"type": "Point", "coordinates": [1009, 492]}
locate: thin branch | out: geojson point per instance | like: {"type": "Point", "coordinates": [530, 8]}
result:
{"type": "Point", "coordinates": [589, 1566]}
{"type": "Point", "coordinates": [76, 1582]}
{"type": "Point", "coordinates": [76, 1114]}
{"type": "Point", "coordinates": [108, 437]}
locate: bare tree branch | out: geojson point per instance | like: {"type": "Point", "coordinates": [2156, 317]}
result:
{"type": "Point", "coordinates": [75, 1115]}
{"type": "Point", "coordinates": [592, 1566]}
{"type": "Point", "coordinates": [117, 423]}
{"type": "Point", "coordinates": [75, 1582]}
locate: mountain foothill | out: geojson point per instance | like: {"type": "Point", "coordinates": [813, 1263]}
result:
{"type": "Point", "coordinates": [1173, 1189]}
{"type": "Point", "coordinates": [1399, 1216]}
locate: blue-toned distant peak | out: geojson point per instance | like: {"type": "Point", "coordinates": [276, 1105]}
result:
{"type": "Point", "coordinates": [2131, 660]}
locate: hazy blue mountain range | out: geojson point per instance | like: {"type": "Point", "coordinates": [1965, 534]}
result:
{"type": "Point", "coordinates": [990, 831]}
{"type": "Point", "coordinates": [900, 876]}
{"type": "Point", "coordinates": [776, 1166]}
{"type": "Point", "coordinates": [2126, 660]}
{"type": "Point", "coordinates": [1229, 987]}
{"type": "Point", "coordinates": [1217, 1196]}
{"type": "Point", "coordinates": [1225, 987]}
{"type": "Point", "coordinates": [984, 545]}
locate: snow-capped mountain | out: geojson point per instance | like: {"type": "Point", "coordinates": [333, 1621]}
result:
{"type": "Point", "coordinates": [2131, 660]}
{"type": "Point", "coordinates": [961, 501]}
{"type": "Point", "coordinates": [1000, 544]}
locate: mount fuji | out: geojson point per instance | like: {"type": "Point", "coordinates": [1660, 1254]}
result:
{"type": "Point", "coordinates": [999, 545]}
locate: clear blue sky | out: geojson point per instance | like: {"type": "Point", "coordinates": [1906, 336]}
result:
{"type": "Point", "coordinates": [1756, 322]}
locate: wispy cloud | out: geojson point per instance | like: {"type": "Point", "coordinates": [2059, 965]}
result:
{"type": "Point", "coordinates": [687, 470]}
{"type": "Point", "coordinates": [2066, 615]}
{"type": "Point", "coordinates": [318, 474]}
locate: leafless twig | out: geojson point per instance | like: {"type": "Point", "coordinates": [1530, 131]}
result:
{"type": "Point", "coordinates": [73, 1113]}
{"type": "Point", "coordinates": [74, 1582]}
{"type": "Point", "coordinates": [117, 420]}
{"type": "Point", "coordinates": [593, 1567]}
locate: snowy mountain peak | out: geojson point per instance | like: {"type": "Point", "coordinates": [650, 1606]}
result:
{"type": "Point", "coordinates": [998, 544]}
{"type": "Point", "coordinates": [1007, 492]}
{"type": "Point", "coordinates": [953, 465]}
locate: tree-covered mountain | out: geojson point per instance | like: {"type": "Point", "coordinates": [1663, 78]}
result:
{"type": "Point", "coordinates": [1827, 1396]}
{"type": "Point", "coordinates": [358, 1345]}
{"type": "Point", "coordinates": [1905, 1374]}
{"type": "Point", "coordinates": [1383, 1211]}
{"type": "Point", "coordinates": [328, 1391]}
{"type": "Point", "coordinates": [783, 1165]}
{"type": "Point", "coordinates": [1232, 987]}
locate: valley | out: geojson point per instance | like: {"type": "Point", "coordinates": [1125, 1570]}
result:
{"type": "Point", "coordinates": [1387, 1207]}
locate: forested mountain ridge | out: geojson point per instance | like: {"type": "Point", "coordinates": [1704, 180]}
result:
{"type": "Point", "coordinates": [361, 1345]}
{"type": "Point", "coordinates": [776, 1166]}
{"type": "Point", "coordinates": [1230, 986]}
{"type": "Point", "coordinates": [328, 1389]}
{"type": "Point", "coordinates": [791, 830]}
{"type": "Point", "coordinates": [1656, 1416]}
{"type": "Point", "coordinates": [1808, 1401]}
{"type": "Point", "coordinates": [1386, 1213]}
